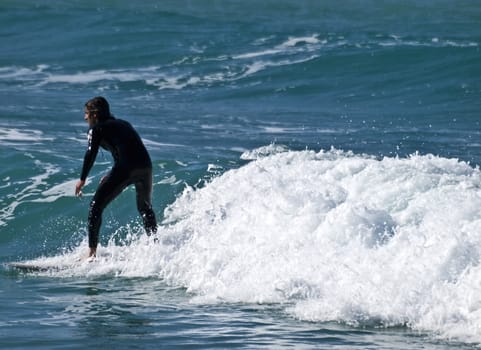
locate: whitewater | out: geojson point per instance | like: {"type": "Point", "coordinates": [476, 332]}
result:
{"type": "Point", "coordinates": [331, 235]}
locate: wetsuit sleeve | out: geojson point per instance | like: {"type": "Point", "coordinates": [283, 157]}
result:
{"type": "Point", "coordinates": [91, 153]}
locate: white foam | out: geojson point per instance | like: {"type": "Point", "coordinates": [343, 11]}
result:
{"type": "Point", "coordinates": [343, 237]}
{"type": "Point", "coordinates": [284, 47]}
{"type": "Point", "coordinates": [293, 41]}
{"type": "Point", "coordinates": [66, 189]}
{"type": "Point", "coordinates": [156, 144]}
{"type": "Point", "coordinates": [172, 180]}
{"type": "Point", "coordinates": [258, 66]}
{"type": "Point", "coordinates": [22, 73]}
{"type": "Point", "coordinates": [12, 136]}
{"type": "Point", "coordinates": [332, 235]}
{"type": "Point", "coordinates": [121, 75]}
{"type": "Point", "coordinates": [263, 151]}
{"type": "Point", "coordinates": [257, 54]}
{"type": "Point", "coordinates": [30, 192]}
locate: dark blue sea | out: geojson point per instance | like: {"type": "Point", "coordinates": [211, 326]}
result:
{"type": "Point", "coordinates": [316, 174]}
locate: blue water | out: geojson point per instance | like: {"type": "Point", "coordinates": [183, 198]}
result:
{"type": "Point", "coordinates": [316, 174]}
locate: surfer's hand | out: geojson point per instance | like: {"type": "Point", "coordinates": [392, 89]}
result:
{"type": "Point", "coordinates": [78, 187]}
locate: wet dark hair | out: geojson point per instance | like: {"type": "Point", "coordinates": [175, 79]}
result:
{"type": "Point", "coordinates": [100, 105]}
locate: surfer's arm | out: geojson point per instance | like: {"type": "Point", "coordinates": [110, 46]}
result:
{"type": "Point", "coordinates": [89, 159]}
{"type": "Point", "coordinates": [91, 153]}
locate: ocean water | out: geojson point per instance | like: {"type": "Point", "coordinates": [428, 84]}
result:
{"type": "Point", "coordinates": [316, 174]}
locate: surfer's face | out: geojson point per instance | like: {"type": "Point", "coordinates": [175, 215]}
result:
{"type": "Point", "coordinates": [90, 117]}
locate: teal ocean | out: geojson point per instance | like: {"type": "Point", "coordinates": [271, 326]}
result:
{"type": "Point", "coordinates": [316, 174]}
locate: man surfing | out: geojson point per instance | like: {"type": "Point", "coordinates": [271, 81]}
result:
{"type": "Point", "coordinates": [132, 165]}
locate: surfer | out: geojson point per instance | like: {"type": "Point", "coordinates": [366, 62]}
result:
{"type": "Point", "coordinates": [132, 165]}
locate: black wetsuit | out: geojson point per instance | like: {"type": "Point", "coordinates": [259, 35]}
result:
{"type": "Point", "coordinates": [132, 165]}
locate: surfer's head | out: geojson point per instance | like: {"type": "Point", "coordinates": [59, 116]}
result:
{"type": "Point", "coordinates": [97, 109]}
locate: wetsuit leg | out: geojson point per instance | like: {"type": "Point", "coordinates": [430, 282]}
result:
{"type": "Point", "coordinates": [110, 188]}
{"type": "Point", "coordinates": [143, 188]}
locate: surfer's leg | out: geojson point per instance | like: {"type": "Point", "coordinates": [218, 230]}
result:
{"type": "Point", "coordinates": [143, 188]}
{"type": "Point", "coordinates": [112, 185]}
